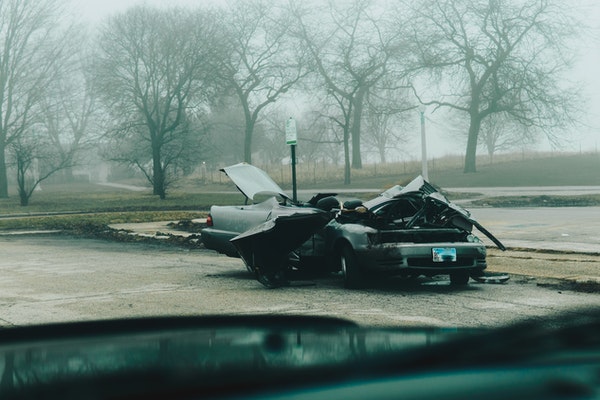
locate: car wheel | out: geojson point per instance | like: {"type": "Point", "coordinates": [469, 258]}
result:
{"type": "Point", "coordinates": [459, 278]}
{"type": "Point", "coordinates": [353, 278]}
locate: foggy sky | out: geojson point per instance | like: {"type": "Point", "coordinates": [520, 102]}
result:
{"type": "Point", "coordinates": [587, 72]}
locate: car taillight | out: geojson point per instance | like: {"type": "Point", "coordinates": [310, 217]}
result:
{"type": "Point", "coordinates": [209, 221]}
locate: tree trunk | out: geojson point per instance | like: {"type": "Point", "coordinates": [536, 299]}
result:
{"type": "Point", "coordinates": [67, 174]}
{"type": "Point", "coordinates": [382, 154]}
{"type": "Point", "coordinates": [471, 155]}
{"type": "Point", "coordinates": [24, 199]}
{"type": "Point", "coordinates": [346, 157]}
{"type": "Point", "coordinates": [21, 183]}
{"type": "Point", "coordinates": [158, 174]}
{"type": "Point", "coordinates": [3, 175]}
{"type": "Point", "coordinates": [248, 141]}
{"type": "Point", "coordinates": [356, 120]}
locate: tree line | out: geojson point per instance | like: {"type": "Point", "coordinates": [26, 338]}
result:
{"type": "Point", "coordinates": [164, 89]}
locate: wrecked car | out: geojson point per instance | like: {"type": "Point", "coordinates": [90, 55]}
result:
{"type": "Point", "coordinates": [410, 230]}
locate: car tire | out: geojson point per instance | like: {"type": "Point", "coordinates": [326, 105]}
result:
{"type": "Point", "coordinates": [459, 278]}
{"type": "Point", "coordinates": [353, 277]}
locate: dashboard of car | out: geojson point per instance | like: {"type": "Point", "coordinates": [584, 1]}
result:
{"type": "Point", "coordinates": [298, 357]}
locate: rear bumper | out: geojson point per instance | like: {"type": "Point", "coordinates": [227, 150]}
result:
{"type": "Point", "coordinates": [220, 241]}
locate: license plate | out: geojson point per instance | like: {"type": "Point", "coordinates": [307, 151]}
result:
{"type": "Point", "coordinates": [444, 254]}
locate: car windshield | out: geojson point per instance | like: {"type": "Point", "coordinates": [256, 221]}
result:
{"type": "Point", "coordinates": [400, 171]}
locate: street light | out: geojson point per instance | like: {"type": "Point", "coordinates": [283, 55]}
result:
{"type": "Point", "coordinates": [424, 171]}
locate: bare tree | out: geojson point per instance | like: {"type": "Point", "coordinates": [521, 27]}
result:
{"type": "Point", "coordinates": [272, 144]}
{"type": "Point", "coordinates": [385, 117]}
{"type": "Point", "coordinates": [495, 56]}
{"type": "Point", "coordinates": [350, 48]}
{"type": "Point", "coordinates": [323, 133]}
{"type": "Point", "coordinates": [499, 133]}
{"type": "Point", "coordinates": [263, 63]}
{"type": "Point", "coordinates": [179, 154]}
{"type": "Point", "coordinates": [226, 121]}
{"type": "Point", "coordinates": [342, 120]}
{"type": "Point", "coordinates": [31, 45]}
{"type": "Point", "coordinates": [69, 111]}
{"type": "Point", "coordinates": [35, 160]}
{"type": "Point", "coordinates": [153, 70]}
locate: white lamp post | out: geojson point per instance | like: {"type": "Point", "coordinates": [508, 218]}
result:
{"type": "Point", "coordinates": [424, 171]}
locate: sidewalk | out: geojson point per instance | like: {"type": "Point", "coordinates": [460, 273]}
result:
{"type": "Point", "coordinates": [574, 268]}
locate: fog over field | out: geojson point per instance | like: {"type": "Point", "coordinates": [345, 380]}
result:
{"type": "Point", "coordinates": [165, 90]}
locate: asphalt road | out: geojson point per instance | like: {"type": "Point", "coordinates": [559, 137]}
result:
{"type": "Point", "coordinates": [49, 278]}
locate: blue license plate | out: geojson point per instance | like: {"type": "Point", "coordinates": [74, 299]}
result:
{"type": "Point", "coordinates": [444, 254]}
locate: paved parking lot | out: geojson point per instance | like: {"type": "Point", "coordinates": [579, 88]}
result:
{"type": "Point", "coordinates": [50, 278]}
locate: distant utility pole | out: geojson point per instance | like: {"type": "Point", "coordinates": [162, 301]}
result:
{"type": "Point", "coordinates": [424, 170]}
{"type": "Point", "coordinates": [291, 138]}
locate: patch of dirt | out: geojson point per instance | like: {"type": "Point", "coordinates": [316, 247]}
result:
{"type": "Point", "coordinates": [102, 231]}
{"type": "Point", "coordinates": [187, 226]}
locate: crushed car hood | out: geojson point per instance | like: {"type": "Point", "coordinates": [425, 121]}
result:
{"type": "Point", "coordinates": [252, 181]}
{"type": "Point", "coordinates": [438, 198]}
{"type": "Point", "coordinates": [418, 184]}
{"type": "Point", "coordinates": [430, 195]}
